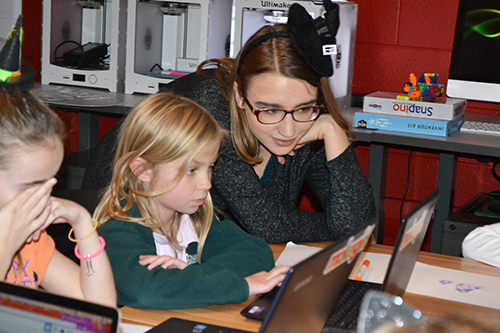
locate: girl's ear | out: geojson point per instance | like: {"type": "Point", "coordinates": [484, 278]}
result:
{"type": "Point", "coordinates": [141, 169]}
{"type": "Point", "coordinates": [237, 95]}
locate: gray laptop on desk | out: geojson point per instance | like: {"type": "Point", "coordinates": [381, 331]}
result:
{"type": "Point", "coordinates": [404, 257]}
{"type": "Point", "coordinates": [312, 290]}
{"type": "Point", "coordinates": [343, 317]}
{"type": "Point", "coordinates": [28, 310]}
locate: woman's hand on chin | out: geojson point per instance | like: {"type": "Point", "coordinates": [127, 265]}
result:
{"type": "Point", "coordinates": [334, 137]}
{"type": "Point", "coordinates": [326, 129]}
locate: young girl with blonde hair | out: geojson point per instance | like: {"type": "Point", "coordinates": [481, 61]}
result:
{"type": "Point", "coordinates": [31, 153]}
{"type": "Point", "coordinates": [165, 247]}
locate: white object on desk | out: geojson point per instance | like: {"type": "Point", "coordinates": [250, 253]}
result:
{"type": "Point", "coordinates": [454, 285]}
{"type": "Point", "coordinates": [377, 269]}
{"type": "Point", "coordinates": [434, 281]}
{"type": "Point", "coordinates": [132, 328]}
{"type": "Point", "coordinates": [293, 254]}
{"type": "Point", "coordinates": [480, 127]}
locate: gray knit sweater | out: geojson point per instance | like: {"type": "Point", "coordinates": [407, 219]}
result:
{"type": "Point", "coordinates": [270, 211]}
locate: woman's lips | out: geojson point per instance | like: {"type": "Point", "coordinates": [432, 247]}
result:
{"type": "Point", "coordinates": [284, 143]}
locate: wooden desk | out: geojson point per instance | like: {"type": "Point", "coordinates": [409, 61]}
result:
{"type": "Point", "coordinates": [229, 315]}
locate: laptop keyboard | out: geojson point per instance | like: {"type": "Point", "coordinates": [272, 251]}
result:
{"type": "Point", "coordinates": [344, 317]}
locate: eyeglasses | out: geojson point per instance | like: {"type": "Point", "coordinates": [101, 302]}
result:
{"type": "Point", "coordinates": [274, 116]}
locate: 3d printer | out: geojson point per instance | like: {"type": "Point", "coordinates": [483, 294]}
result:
{"type": "Point", "coordinates": [166, 40]}
{"type": "Point", "coordinates": [82, 42]}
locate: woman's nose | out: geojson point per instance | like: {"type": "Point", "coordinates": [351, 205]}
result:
{"type": "Point", "coordinates": [287, 126]}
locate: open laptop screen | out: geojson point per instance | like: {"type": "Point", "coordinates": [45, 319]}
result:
{"type": "Point", "coordinates": [408, 244]}
{"type": "Point", "coordinates": [311, 288]}
{"type": "Point", "coordinates": [24, 310]}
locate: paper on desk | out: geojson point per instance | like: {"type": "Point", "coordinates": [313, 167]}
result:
{"type": "Point", "coordinates": [434, 281]}
{"type": "Point", "coordinates": [293, 254]}
{"type": "Point", "coordinates": [450, 284]}
{"type": "Point", "coordinates": [132, 328]}
{"type": "Point", "coordinates": [377, 268]}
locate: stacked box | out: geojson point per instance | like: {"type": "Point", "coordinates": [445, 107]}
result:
{"type": "Point", "coordinates": [406, 124]}
{"type": "Point", "coordinates": [393, 104]}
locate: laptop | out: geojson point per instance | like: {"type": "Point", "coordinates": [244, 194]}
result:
{"type": "Point", "coordinates": [404, 257]}
{"type": "Point", "coordinates": [28, 310]}
{"type": "Point", "coordinates": [315, 286]}
{"type": "Point", "coordinates": [407, 247]}
{"type": "Point", "coordinates": [324, 273]}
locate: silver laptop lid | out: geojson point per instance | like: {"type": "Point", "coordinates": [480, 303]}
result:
{"type": "Point", "coordinates": [28, 310]}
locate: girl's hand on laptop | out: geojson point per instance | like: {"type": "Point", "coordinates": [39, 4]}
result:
{"type": "Point", "coordinates": [263, 282]}
{"type": "Point", "coordinates": [163, 261]}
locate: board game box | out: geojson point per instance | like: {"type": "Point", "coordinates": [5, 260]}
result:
{"type": "Point", "coordinates": [388, 103]}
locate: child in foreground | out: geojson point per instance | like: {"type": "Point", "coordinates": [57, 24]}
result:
{"type": "Point", "coordinates": [31, 152]}
{"type": "Point", "coordinates": [166, 249]}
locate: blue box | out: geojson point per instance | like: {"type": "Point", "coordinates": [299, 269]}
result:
{"type": "Point", "coordinates": [407, 124]}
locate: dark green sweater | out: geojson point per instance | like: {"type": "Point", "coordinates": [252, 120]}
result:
{"type": "Point", "coordinates": [229, 256]}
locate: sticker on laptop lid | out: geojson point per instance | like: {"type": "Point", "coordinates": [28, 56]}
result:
{"type": "Point", "coordinates": [351, 249]}
{"type": "Point", "coordinates": [256, 310]}
{"type": "Point", "coordinates": [414, 230]}
{"type": "Point", "coordinates": [199, 328]}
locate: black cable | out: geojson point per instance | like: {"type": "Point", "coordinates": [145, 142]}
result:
{"type": "Point", "coordinates": [406, 190]}
{"type": "Point", "coordinates": [156, 65]}
{"type": "Point", "coordinates": [56, 58]}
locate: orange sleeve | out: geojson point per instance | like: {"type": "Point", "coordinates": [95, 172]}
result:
{"type": "Point", "coordinates": [44, 252]}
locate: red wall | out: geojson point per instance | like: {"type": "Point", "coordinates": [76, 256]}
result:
{"type": "Point", "coordinates": [394, 38]}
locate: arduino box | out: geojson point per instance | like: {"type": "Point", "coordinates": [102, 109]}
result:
{"type": "Point", "coordinates": [387, 103]}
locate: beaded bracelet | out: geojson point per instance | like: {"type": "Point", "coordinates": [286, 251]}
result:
{"type": "Point", "coordinates": [78, 240]}
{"type": "Point", "coordinates": [88, 258]}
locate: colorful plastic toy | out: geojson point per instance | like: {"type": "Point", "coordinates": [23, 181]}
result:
{"type": "Point", "coordinates": [423, 89]}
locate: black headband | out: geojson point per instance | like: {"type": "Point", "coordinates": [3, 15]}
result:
{"type": "Point", "coordinates": [314, 39]}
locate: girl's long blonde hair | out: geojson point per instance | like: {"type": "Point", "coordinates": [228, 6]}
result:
{"type": "Point", "coordinates": [162, 128]}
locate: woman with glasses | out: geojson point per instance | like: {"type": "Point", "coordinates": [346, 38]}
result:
{"type": "Point", "coordinates": [276, 100]}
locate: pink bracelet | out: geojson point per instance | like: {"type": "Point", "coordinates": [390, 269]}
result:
{"type": "Point", "coordinates": [90, 256]}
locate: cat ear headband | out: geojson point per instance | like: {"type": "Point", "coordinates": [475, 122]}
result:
{"type": "Point", "coordinates": [11, 78]}
{"type": "Point", "coordinates": [314, 40]}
